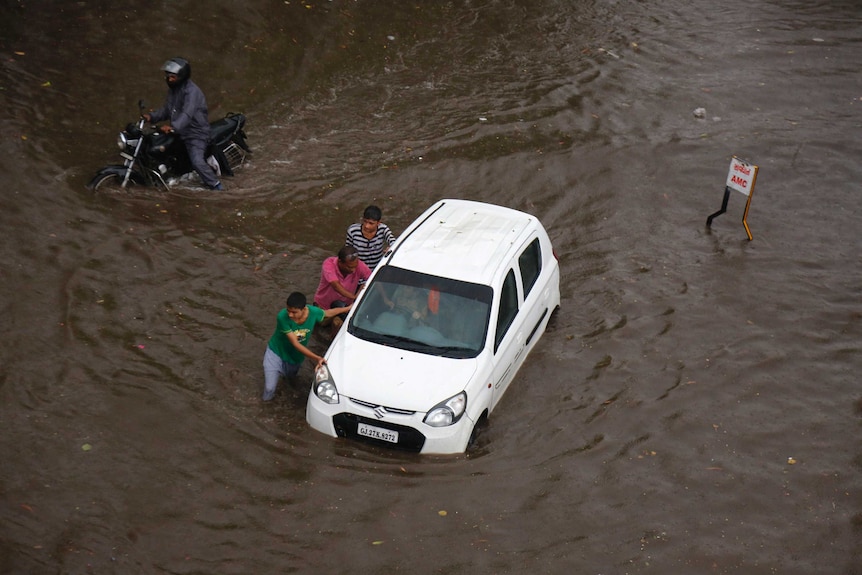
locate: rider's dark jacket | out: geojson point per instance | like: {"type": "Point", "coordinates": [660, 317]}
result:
{"type": "Point", "coordinates": [186, 108]}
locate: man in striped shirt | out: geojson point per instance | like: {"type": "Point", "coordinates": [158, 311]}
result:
{"type": "Point", "coordinates": [371, 238]}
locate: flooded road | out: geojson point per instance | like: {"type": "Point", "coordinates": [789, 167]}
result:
{"type": "Point", "coordinates": [694, 408]}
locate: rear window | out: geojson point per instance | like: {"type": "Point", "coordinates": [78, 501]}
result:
{"type": "Point", "coordinates": [530, 264]}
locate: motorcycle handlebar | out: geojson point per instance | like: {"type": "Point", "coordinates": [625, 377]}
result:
{"type": "Point", "coordinates": [144, 121]}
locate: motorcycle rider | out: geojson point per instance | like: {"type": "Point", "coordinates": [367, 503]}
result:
{"type": "Point", "coordinates": [186, 111]}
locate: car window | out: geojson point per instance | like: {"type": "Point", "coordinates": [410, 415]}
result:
{"type": "Point", "coordinates": [530, 264]}
{"type": "Point", "coordinates": [508, 307]}
{"type": "Point", "coordinates": [423, 313]}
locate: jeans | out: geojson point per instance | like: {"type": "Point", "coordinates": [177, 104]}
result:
{"type": "Point", "coordinates": [196, 150]}
{"type": "Point", "coordinates": [274, 368]}
{"type": "Point", "coordinates": [340, 303]}
{"type": "Point", "coordinates": [336, 303]}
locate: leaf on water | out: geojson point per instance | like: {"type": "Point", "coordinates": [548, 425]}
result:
{"type": "Point", "coordinates": [86, 447]}
{"type": "Point", "coordinates": [442, 513]}
{"type": "Point", "coordinates": [377, 542]}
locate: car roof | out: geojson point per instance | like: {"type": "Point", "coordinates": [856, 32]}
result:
{"type": "Point", "coordinates": [462, 239]}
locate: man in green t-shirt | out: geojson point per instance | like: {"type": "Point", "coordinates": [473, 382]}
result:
{"type": "Point", "coordinates": [287, 347]}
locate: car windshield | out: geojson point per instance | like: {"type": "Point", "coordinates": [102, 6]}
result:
{"type": "Point", "coordinates": [423, 313]}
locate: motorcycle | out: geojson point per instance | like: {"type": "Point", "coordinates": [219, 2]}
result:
{"type": "Point", "coordinates": [155, 159]}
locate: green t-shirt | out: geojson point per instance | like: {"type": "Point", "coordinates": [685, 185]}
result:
{"type": "Point", "coordinates": [284, 325]}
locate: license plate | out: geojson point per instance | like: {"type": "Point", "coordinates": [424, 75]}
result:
{"type": "Point", "coordinates": [377, 433]}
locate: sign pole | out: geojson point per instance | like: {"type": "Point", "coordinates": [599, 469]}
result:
{"type": "Point", "coordinates": [723, 207]}
{"type": "Point", "coordinates": [748, 205]}
{"type": "Point", "coordinates": [741, 177]}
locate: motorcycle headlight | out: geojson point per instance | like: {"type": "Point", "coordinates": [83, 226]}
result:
{"type": "Point", "coordinates": [447, 412]}
{"type": "Point", "coordinates": [122, 141]}
{"type": "Point", "coordinates": [324, 387]}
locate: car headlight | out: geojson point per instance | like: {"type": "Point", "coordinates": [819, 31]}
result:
{"type": "Point", "coordinates": [324, 387]}
{"type": "Point", "coordinates": [122, 141]}
{"type": "Point", "coordinates": [447, 412]}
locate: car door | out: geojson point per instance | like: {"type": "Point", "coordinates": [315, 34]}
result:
{"type": "Point", "coordinates": [508, 342]}
{"type": "Point", "coordinates": [533, 282]}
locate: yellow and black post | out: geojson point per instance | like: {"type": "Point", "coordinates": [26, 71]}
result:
{"type": "Point", "coordinates": [741, 177]}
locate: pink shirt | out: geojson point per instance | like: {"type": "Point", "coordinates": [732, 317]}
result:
{"type": "Point", "coordinates": [326, 294]}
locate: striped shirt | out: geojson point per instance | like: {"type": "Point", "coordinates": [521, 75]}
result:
{"type": "Point", "coordinates": [370, 251]}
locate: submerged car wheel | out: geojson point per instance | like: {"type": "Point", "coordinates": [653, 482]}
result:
{"type": "Point", "coordinates": [475, 441]}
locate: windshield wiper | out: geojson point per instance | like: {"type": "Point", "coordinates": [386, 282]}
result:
{"type": "Point", "coordinates": [454, 351]}
{"type": "Point", "coordinates": [404, 342]}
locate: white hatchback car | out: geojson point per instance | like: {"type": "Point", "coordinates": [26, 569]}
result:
{"type": "Point", "coordinates": [440, 330]}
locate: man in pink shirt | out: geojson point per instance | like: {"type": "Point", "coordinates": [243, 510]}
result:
{"type": "Point", "coordinates": [342, 277]}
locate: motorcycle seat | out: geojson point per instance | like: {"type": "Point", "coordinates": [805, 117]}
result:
{"type": "Point", "coordinates": [226, 127]}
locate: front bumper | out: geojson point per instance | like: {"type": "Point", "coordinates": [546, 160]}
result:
{"type": "Point", "coordinates": [344, 419]}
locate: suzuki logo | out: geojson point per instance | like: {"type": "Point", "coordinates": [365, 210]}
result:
{"type": "Point", "coordinates": [379, 412]}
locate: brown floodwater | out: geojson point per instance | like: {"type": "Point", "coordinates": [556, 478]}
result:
{"type": "Point", "coordinates": [694, 408]}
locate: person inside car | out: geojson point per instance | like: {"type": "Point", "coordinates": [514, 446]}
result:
{"type": "Point", "coordinates": [419, 303]}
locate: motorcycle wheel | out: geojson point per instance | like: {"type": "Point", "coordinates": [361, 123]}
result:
{"type": "Point", "coordinates": [110, 183]}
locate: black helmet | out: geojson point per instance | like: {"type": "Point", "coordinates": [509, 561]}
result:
{"type": "Point", "coordinates": [180, 67]}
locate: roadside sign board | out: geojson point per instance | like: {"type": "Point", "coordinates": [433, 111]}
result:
{"type": "Point", "coordinates": [741, 176]}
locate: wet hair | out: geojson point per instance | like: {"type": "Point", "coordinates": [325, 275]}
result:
{"type": "Point", "coordinates": [347, 254]}
{"type": "Point", "coordinates": [373, 213]}
{"type": "Point", "coordinates": [296, 300]}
